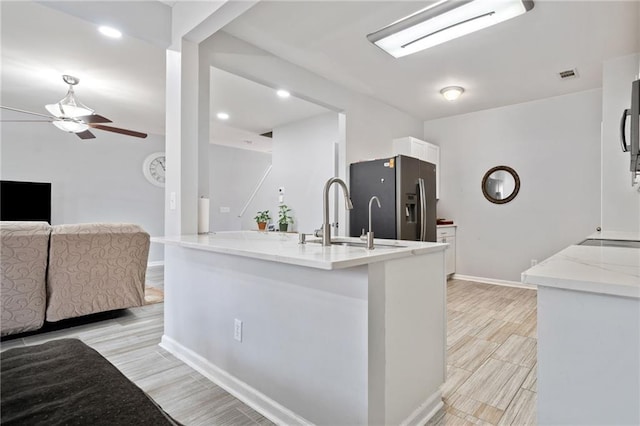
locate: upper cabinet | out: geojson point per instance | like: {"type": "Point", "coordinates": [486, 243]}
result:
{"type": "Point", "coordinates": [422, 150]}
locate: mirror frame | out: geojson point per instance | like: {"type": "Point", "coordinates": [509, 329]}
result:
{"type": "Point", "coordinates": [515, 190]}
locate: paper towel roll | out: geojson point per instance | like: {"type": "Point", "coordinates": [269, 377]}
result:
{"type": "Point", "coordinates": [203, 215]}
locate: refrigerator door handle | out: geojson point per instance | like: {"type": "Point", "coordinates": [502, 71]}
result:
{"type": "Point", "coordinates": [423, 210]}
{"type": "Point", "coordinates": [623, 137]}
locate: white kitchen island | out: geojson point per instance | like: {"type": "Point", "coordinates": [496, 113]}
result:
{"type": "Point", "coordinates": [589, 333]}
{"type": "Point", "coordinates": [335, 335]}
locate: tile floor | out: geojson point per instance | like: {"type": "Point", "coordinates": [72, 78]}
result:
{"type": "Point", "coordinates": [491, 355]}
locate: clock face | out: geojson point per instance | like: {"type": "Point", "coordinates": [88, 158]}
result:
{"type": "Point", "coordinates": [154, 168]}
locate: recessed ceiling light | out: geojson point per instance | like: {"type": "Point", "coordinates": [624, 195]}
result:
{"type": "Point", "coordinates": [283, 93]}
{"type": "Point", "coordinates": [110, 32]}
{"type": "Point", "coordinates": [223, 116]}
{"type": "Point", "coordinates": [452, 93]}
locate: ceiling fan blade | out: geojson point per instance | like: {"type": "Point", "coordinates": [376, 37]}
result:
{"type": "Point", "coordinates": [118, 130]}
{"type": "Point", "coordinates": [94, 118]}
{"type": "Point", "coordinates": [86, 135]}
{"type": "Point", "coordinates": [28, 112]}
{"type": "Point", "coordinates": [26, 121]}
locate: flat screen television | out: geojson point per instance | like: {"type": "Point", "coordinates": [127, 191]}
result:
{"type": "Point", "coordinates": [28, 201]}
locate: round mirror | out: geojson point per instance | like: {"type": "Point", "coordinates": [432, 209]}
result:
{"type": "Point", "coordinates": [500, 184]}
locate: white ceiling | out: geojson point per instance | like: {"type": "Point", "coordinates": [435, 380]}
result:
{"type": "Point", "coordinates": [124, 80]}
{"type": "Point", "coordinates": [513, 62]}
{"type": "Point", "coordinates": [253, 109]}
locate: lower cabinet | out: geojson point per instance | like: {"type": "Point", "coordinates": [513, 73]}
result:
{"type": "Point", "coordinates": [447, 234]}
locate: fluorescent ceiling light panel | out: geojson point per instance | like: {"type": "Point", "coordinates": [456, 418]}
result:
{"type": "Point", "coordinates": [109, 32]}
{"type": "Point", "coordinates": [444, 21]}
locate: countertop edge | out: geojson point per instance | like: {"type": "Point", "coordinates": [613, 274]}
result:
{"type": "Point", "coordinates": [583, 286]}
{"type": "Point", "coordinates": [298, 261]}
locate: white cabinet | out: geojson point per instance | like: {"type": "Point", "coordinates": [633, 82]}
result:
{"type": "Point", "coordinates": [447, 234]}
{"type": "Point", "coordinates": [422, 150]}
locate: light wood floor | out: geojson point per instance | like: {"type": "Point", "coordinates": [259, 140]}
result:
{"type": "Point", "coordinates": [491, 355]}
{"type": "Point", "coordinates": [491, 360]}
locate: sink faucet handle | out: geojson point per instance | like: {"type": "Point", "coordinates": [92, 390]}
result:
{"type": "Point", "coordinates": [318, 232]}
{"type": "Point", "coordinates": [363, 235]}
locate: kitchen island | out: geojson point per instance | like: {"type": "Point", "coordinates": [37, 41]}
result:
{"type": "Point", "coordinates": [589, 332]}
{"type": "Point", "coordinates": [336, 335]}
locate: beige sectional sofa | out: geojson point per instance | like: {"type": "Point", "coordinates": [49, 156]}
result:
{"type": "Point", "coordinates": [65, 271]}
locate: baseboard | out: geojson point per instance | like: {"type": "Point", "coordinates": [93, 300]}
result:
{"type": "Point", "coordinates": [426, 411]}
{"type": "Point", "coordinates": [494, 281]}
{"type": "Point", "coordinates": [155, 264]}
{"type": "Point", "coordinates": [245, 393]}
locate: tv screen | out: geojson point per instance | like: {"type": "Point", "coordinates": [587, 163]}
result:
{"type": "Point", "coordinates": [29, 201]}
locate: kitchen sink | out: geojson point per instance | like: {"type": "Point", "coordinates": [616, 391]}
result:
{"type": "Point", "coordinates": [360, 244]}
{"type": "Point", "coordinates": [610, 243]}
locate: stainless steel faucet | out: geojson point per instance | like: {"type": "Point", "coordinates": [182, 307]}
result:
{"type": "Point", "coordinates": [370, 233]}
{"type": "Point", "coordinates": [326, 228]}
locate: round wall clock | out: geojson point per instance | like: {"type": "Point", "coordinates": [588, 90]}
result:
{"type": "Point", "coordinates": [154, 168]}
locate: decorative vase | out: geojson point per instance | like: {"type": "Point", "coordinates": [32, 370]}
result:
{"type": "Point", "coordinates": [284, 227]}
{"type": "Point", "coordinates": [262, 226]}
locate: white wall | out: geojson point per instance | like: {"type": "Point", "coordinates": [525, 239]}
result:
{"type": "Point", "coordinates": [233, 176]}
{"type": "Point", "coordinates": [620, 201]}
{"type": "Point", "coordinates": [370, 125]}
{"type": "Point", "coordinates": [97, 180]}
{"type": "Point", "coordinates": [554, 146]}
{"type": "Point", "coordinates": [303, 160]}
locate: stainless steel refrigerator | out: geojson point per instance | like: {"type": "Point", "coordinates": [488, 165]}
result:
{"type": "Point", "coordinates": [406, 188]}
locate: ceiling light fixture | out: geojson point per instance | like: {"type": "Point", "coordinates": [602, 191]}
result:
{"type": "Point", "coordinates": [109, 32]}
{"type": "Point", "coordinates": [71, 126]}
{"type": "Point", "coordinates": [451, 93]}
{"type": "Point", "coordinates": [222, 116]}
{"type": "Point", "coordinates": [283, 93]}
{"type": "Point", "coordinates": [444, 21]}
{"type": "Point", "coordinates": [69, 106]}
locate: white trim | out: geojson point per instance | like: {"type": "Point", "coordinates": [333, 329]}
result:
{"type": "Point", "coordinates": [155, 264]}
{"type": "Point", "coordinates": [425, 411]}
{"type": "Point", "coordinates": [245, 393]}
{"type": "Point", "coordinates": [494, 281]}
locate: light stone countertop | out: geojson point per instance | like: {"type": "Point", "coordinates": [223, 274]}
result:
{"type": "Point", "coordinates": [605, 270]}
{"type": "Point", "coordinates": [284, 248]}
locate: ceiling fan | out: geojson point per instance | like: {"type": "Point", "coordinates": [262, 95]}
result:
{"type": "Point", "coordinates": [70, 115]}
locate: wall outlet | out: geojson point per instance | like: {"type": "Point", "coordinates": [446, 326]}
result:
{"type": "Point", "coordinates": [172, 201]}
{"type": "Point", "coordinates": [225, 209]}
{"type": "Point", "coordinates": [534, 262]}
{"type": "Point", "coordinates": [237, 330]}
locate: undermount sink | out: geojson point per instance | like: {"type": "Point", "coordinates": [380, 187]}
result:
{"type": "Point", "coordinates": [361, 244]}
{"type": "Point", "coordinates": [610, 243]}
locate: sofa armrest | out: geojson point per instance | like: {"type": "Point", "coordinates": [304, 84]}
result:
{"type": "Point", "coordinates": [23, 264]}
{"type": "Point", "coordinates": [95, 267]}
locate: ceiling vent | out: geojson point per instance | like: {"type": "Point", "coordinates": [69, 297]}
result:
{"type": "Point", "coordinates": [568, 74]}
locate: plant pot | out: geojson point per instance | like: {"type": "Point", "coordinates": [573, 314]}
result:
{"type": "Point", "coordinates": [284, 227]}
{"type": "Point", "coordinates": [262, 226]}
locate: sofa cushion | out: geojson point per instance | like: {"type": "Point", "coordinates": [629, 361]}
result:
{"type": "Point", "coordinates": [23, 264]}
{"type": "Point", "coordinates": [95, 267]}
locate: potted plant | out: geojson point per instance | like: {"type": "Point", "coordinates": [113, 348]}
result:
{"type": "Point", "coordinates": [283, 218]}
{"type": "Point", "coordinates": [262, 218]}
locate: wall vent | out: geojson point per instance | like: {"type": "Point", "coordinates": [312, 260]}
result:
{"type": "Point", "coordinates": [573, 73]}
